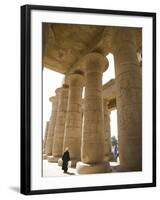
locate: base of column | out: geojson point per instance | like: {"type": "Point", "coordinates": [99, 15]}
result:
{"type": "Point", "coordinates": [60, 162]}
{"type": "Point", "coordinates": [71, 163]}
{"type": "Point", "coordinates": [83, 168]}
{"type": "Point", "coordinates": [121, 168]}
{"type": "Point", "coordinates": [109, 157]}
{"type": "Point", "coordinates": [52, 159]}
{"type": "Point", "coordinates": [44, 156]}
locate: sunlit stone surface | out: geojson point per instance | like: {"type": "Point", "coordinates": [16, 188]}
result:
{"type": "Point", "coordinates": [83, 124]}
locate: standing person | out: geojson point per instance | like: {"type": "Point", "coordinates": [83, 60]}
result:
{"type": "Point", "coordinates": [116, 154]}
{"type": "Point", "coordinates": [65, 159]}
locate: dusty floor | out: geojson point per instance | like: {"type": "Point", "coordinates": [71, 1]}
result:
{"type": "Point", "coordinates": [52, 169]}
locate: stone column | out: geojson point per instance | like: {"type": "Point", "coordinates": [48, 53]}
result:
{"type": "Point", "coordinates": [92, 152]}
{"type": "Point", "coordinates": [107, 131]}
{"type": "Point", "coordinates": [51, 126]}
{"type": "Point", "coordinates": [60, 123]}
{"type": "Point", "coordinates": [129, 100]}
{"type": "Point", "coordinates": [73, 126]}
{"type": "Point", "coordinates": [44, 141]}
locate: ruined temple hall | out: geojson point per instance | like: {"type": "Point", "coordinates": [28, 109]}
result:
{"type": "Point", "coordinates": [82, 122]}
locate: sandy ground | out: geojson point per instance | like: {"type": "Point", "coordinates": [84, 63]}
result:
{"type": "Point", "coordinates": [52, 169]}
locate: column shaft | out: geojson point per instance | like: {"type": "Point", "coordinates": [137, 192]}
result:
{"type": "Point", "coordinates": [60, 123]}
{"type": "Point", "coordinates": [73, 126]}
{"type": "Point", "coordinates": [51, 126]}
{"type": "Point", "coordinates": [93, 122]}
{"type": "Point", "coordinates": [45, 137]}
{"type": "Point", "coordinates": [107, 131]}
{"type": "Point", "coordinates": [129, 102]}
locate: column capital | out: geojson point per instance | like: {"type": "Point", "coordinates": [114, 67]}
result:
{"type": "Point", "coordinates": [122, 36]}
{"type": "Point", "coordinates": [52, 98]}
{"type": "Point", "coordinates": [95, 62]}
{"type": "Point", "coordinates": [75, 79]}
{"type": "Point", "coordinates": [63, 88]}
{"type": "Point", "coordinates": [57, 91]}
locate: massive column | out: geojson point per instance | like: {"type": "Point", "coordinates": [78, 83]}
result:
{"type": "Point", "coordinates": [129, 100]}
{"type": "Point", "coordinates": [44, 141]}
{"type": "Point", "coordinates": [73, 126]}
{"type": "Point", "coordinates": [107, 131]}
{"type": "Point", "coordinates": [92, 152]}
{"type": "Point", "coordinates": [60, 123]}
{"type": "Point", "coordinates": [51, 126]}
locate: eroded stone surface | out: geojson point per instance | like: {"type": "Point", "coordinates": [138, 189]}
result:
{"type": "Point", "coordinates": [65, 44]}
{"type": "Point", "coordinates": [73, 124]}
{"type": "Point", "coordinates": [72, 48]}
{"type": "Point", "coordinates": [129, 101]}
{"type": "Point", "coordinates": [107, 130]}
{"type": "Point", "coordinates": [83, 168]}
{"type": "Point", "coordinates": [92, 149]}
{"type": "Point", "coordinates": [51, 126]}
{"type": "Point", "coordinates": [45, 137]}
{"type": "Point", "coordinates": [52, 159]}
{"type": "Point", "coordinates": [60, 122]}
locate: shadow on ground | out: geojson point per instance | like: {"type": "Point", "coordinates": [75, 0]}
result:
{"type": "Point", "coordinates": [14, 188]}
{"type": "Point", "coordinates": [69, 173]}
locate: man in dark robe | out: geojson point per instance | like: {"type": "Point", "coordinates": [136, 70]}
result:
{"type": "Point", "coordinates": [65, 159]}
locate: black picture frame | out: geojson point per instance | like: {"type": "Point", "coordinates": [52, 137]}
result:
{"type": "Point", "coordinates": [25, 182]}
